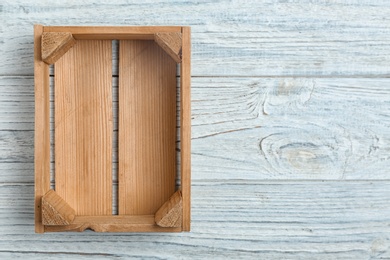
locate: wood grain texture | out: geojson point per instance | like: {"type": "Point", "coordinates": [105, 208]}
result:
{"type": "Point", "coordinates": [291, 128]}
{"type": "Point", "coordinates": [170, 214]}
{"type": "Point", "coordinates": [117, 223]}
{"type": "Point", "coordinates": [322, 128]}
{"type": "Point", "coordinates": [83, 127]}
{"type": "Point", "coordinates": [147, 127]}
{"type": "Point", "coordinates": [171, 43]}
{"type": "Point", "coordinates": [185, 126]}
{"type": "Point", "coordinates": [231, 219]}
{"type": "Point", "coordinates": [268, 38]}
{"type": "Point", "coordinates": [42, 128]}
{"type": "Point", "coordinates": [55, 44]}
{"type": "Point", "coordinates": [56, 211]}
{"type": "Point", "coordinates": [114, 32]}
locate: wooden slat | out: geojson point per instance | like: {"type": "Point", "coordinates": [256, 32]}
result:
{"type": "Point", "coordinates": [42, 127]}
{"type": "Point", "coordinates": [185, 126]}
{"type": "Point", "coordinates": [290, 128]}
{"type": "Point", "coordinates": [310, 144]}
{"type": "Point", "coordinates": [141, 223]}
{"type": "Point", "coordinates": [231, 218]}
{"type": "Point", "coordinates": [147, 127]}
{"type": "Point", "coordinates": [113, 32]}
{"type": "Point", "coordinates": [83, 127]}
{"type": "Point", "coordinates": [242, 38]}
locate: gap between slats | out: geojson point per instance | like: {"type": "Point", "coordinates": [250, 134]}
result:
{"type": "Point", "coordinates": [115, 108]}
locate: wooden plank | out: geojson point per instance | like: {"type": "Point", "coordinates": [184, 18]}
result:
{"type": "Point", "coordinates": [113, 32]}
{"type": "Point", "coordinates": [185, 126]}
{"type": "Point", "coordinates": [291, 128]}
{"type": "Point", "coordinates": [147, 127]}
{"type": "Point", "coordinates": [237, 219]}
{"type": "Point", "coordinates": [289, 38]}
{"type": "Point", "coordinates": [226, 109]}
{"type": "Point", "coordinates": [139, 223]}
{"type": "Point", "coordinates": [42, 128]}
{"type": "Point", "coordinates": [83, 127]}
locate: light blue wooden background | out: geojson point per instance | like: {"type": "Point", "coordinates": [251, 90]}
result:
{"type": "Point", "coordinates": [291, 129]}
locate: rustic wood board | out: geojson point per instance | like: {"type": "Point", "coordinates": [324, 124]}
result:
{"type": "Point", "coordinates": [147, 127]}
{"type": "Point", "coordinates": [83, 129]}
{"type": "Point", "coordinates": [241, 99]}
{"type": "Point", "coordinates": [343, 219]}
{"type": "Point", "coordinates": [271, 38]}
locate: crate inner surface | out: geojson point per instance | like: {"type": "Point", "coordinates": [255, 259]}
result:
{"type": "Point", "coordinates": [84, 129]}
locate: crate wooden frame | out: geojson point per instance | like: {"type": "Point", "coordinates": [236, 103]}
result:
{"type": "Point", "coordinates": [52, 213]}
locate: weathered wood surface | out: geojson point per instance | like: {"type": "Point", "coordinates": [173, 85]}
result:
{"type": "Point", "coordinates": [250, 128]}
{"type": "Point", "coordinates": [229, 38]}
{"type": "Point", "coordinates": [231, 219]}
{"type": "Point", "coordinates": [282, 166]}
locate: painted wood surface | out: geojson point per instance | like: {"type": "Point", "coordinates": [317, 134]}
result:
{"type": "Point", "coordinates": [229, 37]}
{"type": "Point", "coordinates": [231, 219]}
{"type": "Point", "coordinates": [249, 128]}
{"type": "Point", "coordinates": [290, 130]}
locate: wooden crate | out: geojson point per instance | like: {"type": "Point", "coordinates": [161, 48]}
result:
{"type": "Point", "coordinates": [147, 198]}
